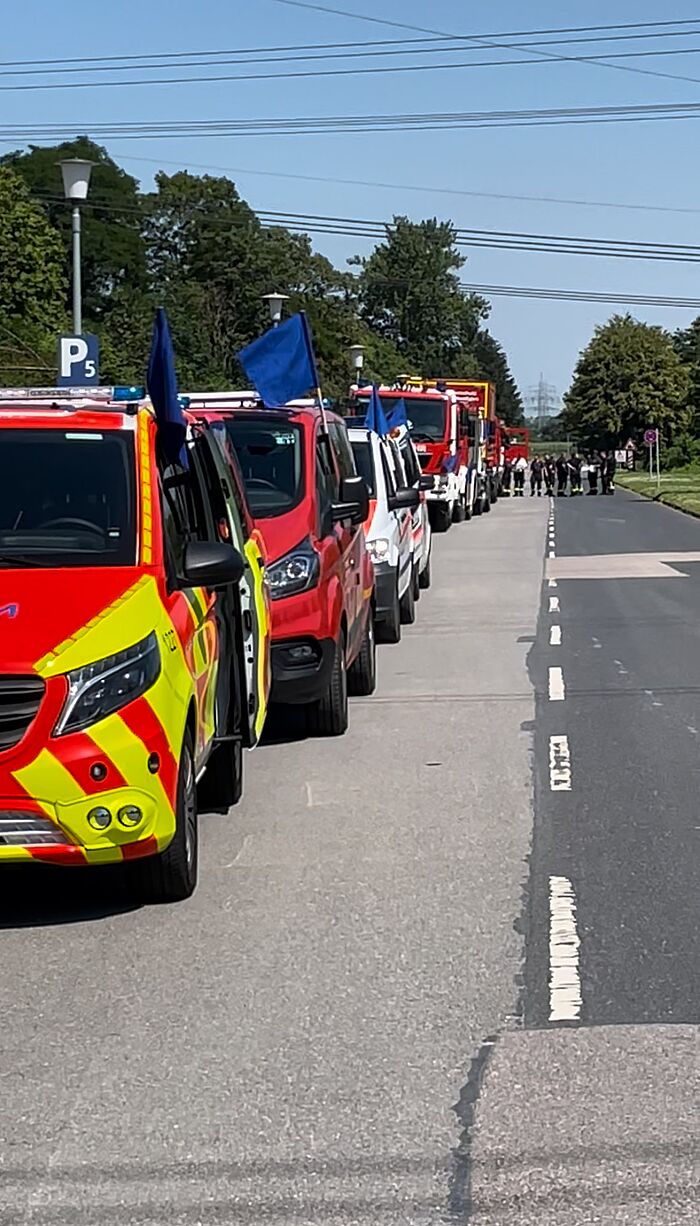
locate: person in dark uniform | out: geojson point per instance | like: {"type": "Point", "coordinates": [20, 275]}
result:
{"type": "Point", "coordinates": [506, 479]}
{"type": "Point", "coordinates": [536, 468]}
{"type": "Point", "coordinates": [550, 475]}
{"type": "Point", "coordinates": [612, 469]}
{"type": "Point", "coordinates": [562, 476]}
{"type": "Point", "coordinates": [604, 471]}
{"type": "Point", "coordinates": [592, 474]}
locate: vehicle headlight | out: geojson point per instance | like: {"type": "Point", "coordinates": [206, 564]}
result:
{"type": "Point", "coordinates": [296, 572]}
{"type": "Point", "coordinates": [99, 689]}
{"type": "Point", "coordinates": [378, 549]}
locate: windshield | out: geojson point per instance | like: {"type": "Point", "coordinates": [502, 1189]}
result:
{"type": "Point", "coordinates": [427, 419]}
{"type": "Point", "coordinates": [271, 460]}
{"type": "Point", "coordinates": [364, 463]}
{"type": "Point", "coordinates": [67, 498]}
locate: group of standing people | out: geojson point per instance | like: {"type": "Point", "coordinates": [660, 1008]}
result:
{"type": "Point", "coordinates": [562, 474]}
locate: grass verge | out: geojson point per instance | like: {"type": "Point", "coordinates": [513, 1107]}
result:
{"type": "Point", "coordinates": [680, 488]}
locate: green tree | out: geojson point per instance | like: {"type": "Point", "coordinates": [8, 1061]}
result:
{"type": "Point", "coordinates": [627, 379]}
{"type": "Point", "coordinates": [32, 265]}
{"type": "Point", "coordinates": [686, 342]}
{"type": "Point", "coordinates": [410, 296]}
{"type": "Point", "coordinates": [32, 286]}
{"type": "Point", "coordinates": [114, 254]}
{"type": "Point", "coordinates": [490, 362]}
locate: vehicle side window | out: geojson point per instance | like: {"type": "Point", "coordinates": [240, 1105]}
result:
{"type": "Point", "coordinates": [184, 510]}
{"type": "Point", "coordinates": [326, 484]}
{"type": "Point", "coordinates": [234, 479]}
{"type": "Point", "coordinates": [389, 479]}
{"type": "Point", "coordinates": [343, 450]}
{"type": "Point", "coordinates": [218, 484]}
{"type": "Point", "coordinates": [398, 466]}
{"type": "Point", "coordinates": [411, 465]}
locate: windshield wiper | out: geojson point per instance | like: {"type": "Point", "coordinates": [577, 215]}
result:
{"type": "Point", "coordinates": [422, 437]}
{"type": "Point", "coordinates": [20, 561]}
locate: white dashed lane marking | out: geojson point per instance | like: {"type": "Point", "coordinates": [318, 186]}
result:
{"type": "Point", "coordinates": [555, 636]}
{"type": "Point", "coordinates": [560, 777]}
{"type": "Point", "coordinates": [554, 604]}
{"type": "Point", "coordinates": [557, 689]}
{"type": "Point", "coordinates": [565, 1000]}
{"type": "Point", "coordinates": [551, 583]}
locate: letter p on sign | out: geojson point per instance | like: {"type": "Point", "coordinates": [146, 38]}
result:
{"type": "Point", "coordinates": [78, 361]}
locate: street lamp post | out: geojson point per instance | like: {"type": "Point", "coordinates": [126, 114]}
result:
{"type": "Point", "coordinates": [76, 180]}
{"type": "Point", "coordinates": [357, 357]}
{"type": "Point", "coordinates": [276, 303]}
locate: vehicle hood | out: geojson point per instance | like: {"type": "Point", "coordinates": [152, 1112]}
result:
{"type": "Point", "coordinates": [52, 621]}
{"type": "Point", "coordinates": [280, 533]}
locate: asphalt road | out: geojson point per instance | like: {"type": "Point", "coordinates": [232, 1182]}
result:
{"type": "Point", "coordinates": [445, 969]}
{"type": "Point", "coordinates": [300, 1042]}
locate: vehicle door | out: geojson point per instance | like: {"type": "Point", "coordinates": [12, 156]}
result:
{"type": "Point", "coordinates": [252, 621]}
{"type": "Point", "coordinates": [208, 627]}
{"type": "Point", "coordinates": [350, 538]}
{"type": "Point", "coordinates": [419, 516]}
{"type": "Point", "coordinates": [405, 518]}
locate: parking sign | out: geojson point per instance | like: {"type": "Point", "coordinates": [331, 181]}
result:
{"type": "Point", "coordinates": [78, 361]}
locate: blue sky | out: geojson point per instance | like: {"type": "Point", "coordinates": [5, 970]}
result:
{"type": "Point", "coordinates": [642, 164]}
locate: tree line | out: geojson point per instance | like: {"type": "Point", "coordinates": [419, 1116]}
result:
{"type": "Point", "coordinates": [194, 246]}
{"type": "Point", "coordinates": [631, 377]}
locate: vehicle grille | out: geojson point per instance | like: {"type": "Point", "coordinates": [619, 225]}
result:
{"type": "Point", "coordinates": [424, 460]}
{"type": "Point", "coordinates": [28, 830]}
{"type": "Point", "coordinates": [20, 699]}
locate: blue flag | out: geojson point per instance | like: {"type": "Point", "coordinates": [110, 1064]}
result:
{"type": "Point", "coordinates": [450, 464]}
{"type": "Point", "coordinates": [398, 415]}
{"type": "Point", "coordinates": [375, 419]}
{"type": "Point", "coordinates": [281, 364]}
{"type": "Point", "coordinates": [161, 383]}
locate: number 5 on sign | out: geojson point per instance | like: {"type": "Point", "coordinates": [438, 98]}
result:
{"type": "Point", "coordinates": [78, 361]}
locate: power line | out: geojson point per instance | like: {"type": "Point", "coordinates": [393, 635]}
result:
{"type": "Point", "coordinates": [660, 26]}
{"type": "Point", "coordinates": [479, 40]}
{"type": "Point", "coordinates": [307, 74]}
{"type": "Point", "coordinates": [330, 51]}
{"type": "Point", "coordinates": [319, 125]}
{"type": "Point", "coordinates": [425, 188]}
{"type": "Point", "coordinates": [349, 227]}
{"type": "Point", "coordinates": [592, 296]}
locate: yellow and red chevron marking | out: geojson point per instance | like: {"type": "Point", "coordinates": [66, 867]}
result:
{"type": "Point", "coordinates": [146, 490]}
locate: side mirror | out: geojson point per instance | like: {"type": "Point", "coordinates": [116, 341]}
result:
{"type": "Point", "coordinates": [210, 564]}
{"type": "Point", "coordinates": [426, 482]}
{"type": "Point", "coordinates": [405, 500]}
{"type": "Point", "coordinates": [354, 501]}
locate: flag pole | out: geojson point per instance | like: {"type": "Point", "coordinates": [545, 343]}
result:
{"type": "Point", "coordinates": [312, 356]}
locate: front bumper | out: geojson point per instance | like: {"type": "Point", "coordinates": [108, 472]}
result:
{"type": "Point", "coordinates": [58, 832]}
{"type": "Point", "coordinates": [301, 669]}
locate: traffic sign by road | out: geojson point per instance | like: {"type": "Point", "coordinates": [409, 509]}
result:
{"type": "Point", "coordinates": [650, 437]}
{"type": "Point", "coordinates": [78, 361]}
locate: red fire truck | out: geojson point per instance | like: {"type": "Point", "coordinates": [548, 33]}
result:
{"type": "Point", "coordinates": [447, 437]}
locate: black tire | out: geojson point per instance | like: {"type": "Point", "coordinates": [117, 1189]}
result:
{"type": "Point", "coordinates": [171, 876]}
{"type": "Point", "coordinates": [388, 630]}
{"type": "Point", "coordinates": [416, 584]}
{"type": "Point", "coordinates": [442, 518]}
{"type": "Point", "coordinates": [487, 504]}
{"type": "Point", "coordinates": [329, 716]}
{"type": "Point", "coordinates": [362, 674]}
{"type": "Point", "coordinates": [407, 605]}
{"type": "Point", "coordinates": [222, 784]}
{"type": "Point", "coordinates": [477, 505]}
{"type": "Point", "coordinates": [425, 576]}
{"type": "Point", "coordinates": [458, 512]}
